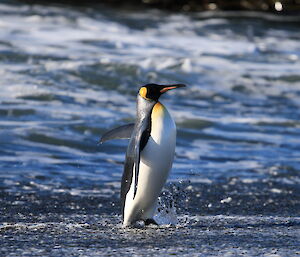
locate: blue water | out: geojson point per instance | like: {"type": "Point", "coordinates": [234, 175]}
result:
{"type": "Point", "coordinates": [70, 73]}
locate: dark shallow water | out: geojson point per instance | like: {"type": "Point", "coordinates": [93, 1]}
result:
{"type": "Point", "coordinates": [69, 74]}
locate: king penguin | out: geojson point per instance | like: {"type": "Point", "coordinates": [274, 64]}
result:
{"type": "Point", "coordinates": [149, 155]}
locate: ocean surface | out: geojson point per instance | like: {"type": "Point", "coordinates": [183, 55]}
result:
{"type": "Point", "coordinates": [68, 74]}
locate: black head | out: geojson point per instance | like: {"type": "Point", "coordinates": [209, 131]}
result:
{"type": "Point", "coordinates": [154, 91]}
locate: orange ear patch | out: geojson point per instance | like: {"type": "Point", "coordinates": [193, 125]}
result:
{"type": "Point", "coordinates": [143, 92]}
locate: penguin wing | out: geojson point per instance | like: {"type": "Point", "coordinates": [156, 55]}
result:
{"type": "Point", "coordinates": [122, 132]}
{"type": "Point", "coordinates": [132, 164]}
{"type": "Point", "coordinates": [141, 139]}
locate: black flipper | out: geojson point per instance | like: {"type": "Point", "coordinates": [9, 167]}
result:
{"type": "Point", "coordinates": [137, 156]}
{"type": "Point", "coordinates": [122, 132]}
{"type": "Point", "coordinates": [137, 142]}
{"type": "Point", "coordinates": [141, 141]}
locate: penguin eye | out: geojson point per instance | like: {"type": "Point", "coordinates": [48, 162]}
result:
{"type": "Point", "coordinates": [143, 92]}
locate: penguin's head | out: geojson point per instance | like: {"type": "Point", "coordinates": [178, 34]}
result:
{"type": "Point", "coordinates": [152, 92]}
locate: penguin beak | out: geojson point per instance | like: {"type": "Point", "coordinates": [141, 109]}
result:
{"type": "Point", "coordinates": [169, 87]}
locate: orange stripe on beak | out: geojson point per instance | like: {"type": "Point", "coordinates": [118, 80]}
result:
{"type": "Point", "coordinates": [166, 89]}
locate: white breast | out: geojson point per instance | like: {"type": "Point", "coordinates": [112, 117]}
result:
{"type": "Point", "coordinates": [155, 163]}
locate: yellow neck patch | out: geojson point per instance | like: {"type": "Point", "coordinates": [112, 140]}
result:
{"type": "Point", "coordinates": [157, 111]}
{"type": "Point", "coordinates": [143, 92]}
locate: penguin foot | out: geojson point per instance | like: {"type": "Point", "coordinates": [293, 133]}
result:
{"type": "Point", "coordinates": [135, 224]}
{"type": "Point", "coordinates": [150, 221]}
